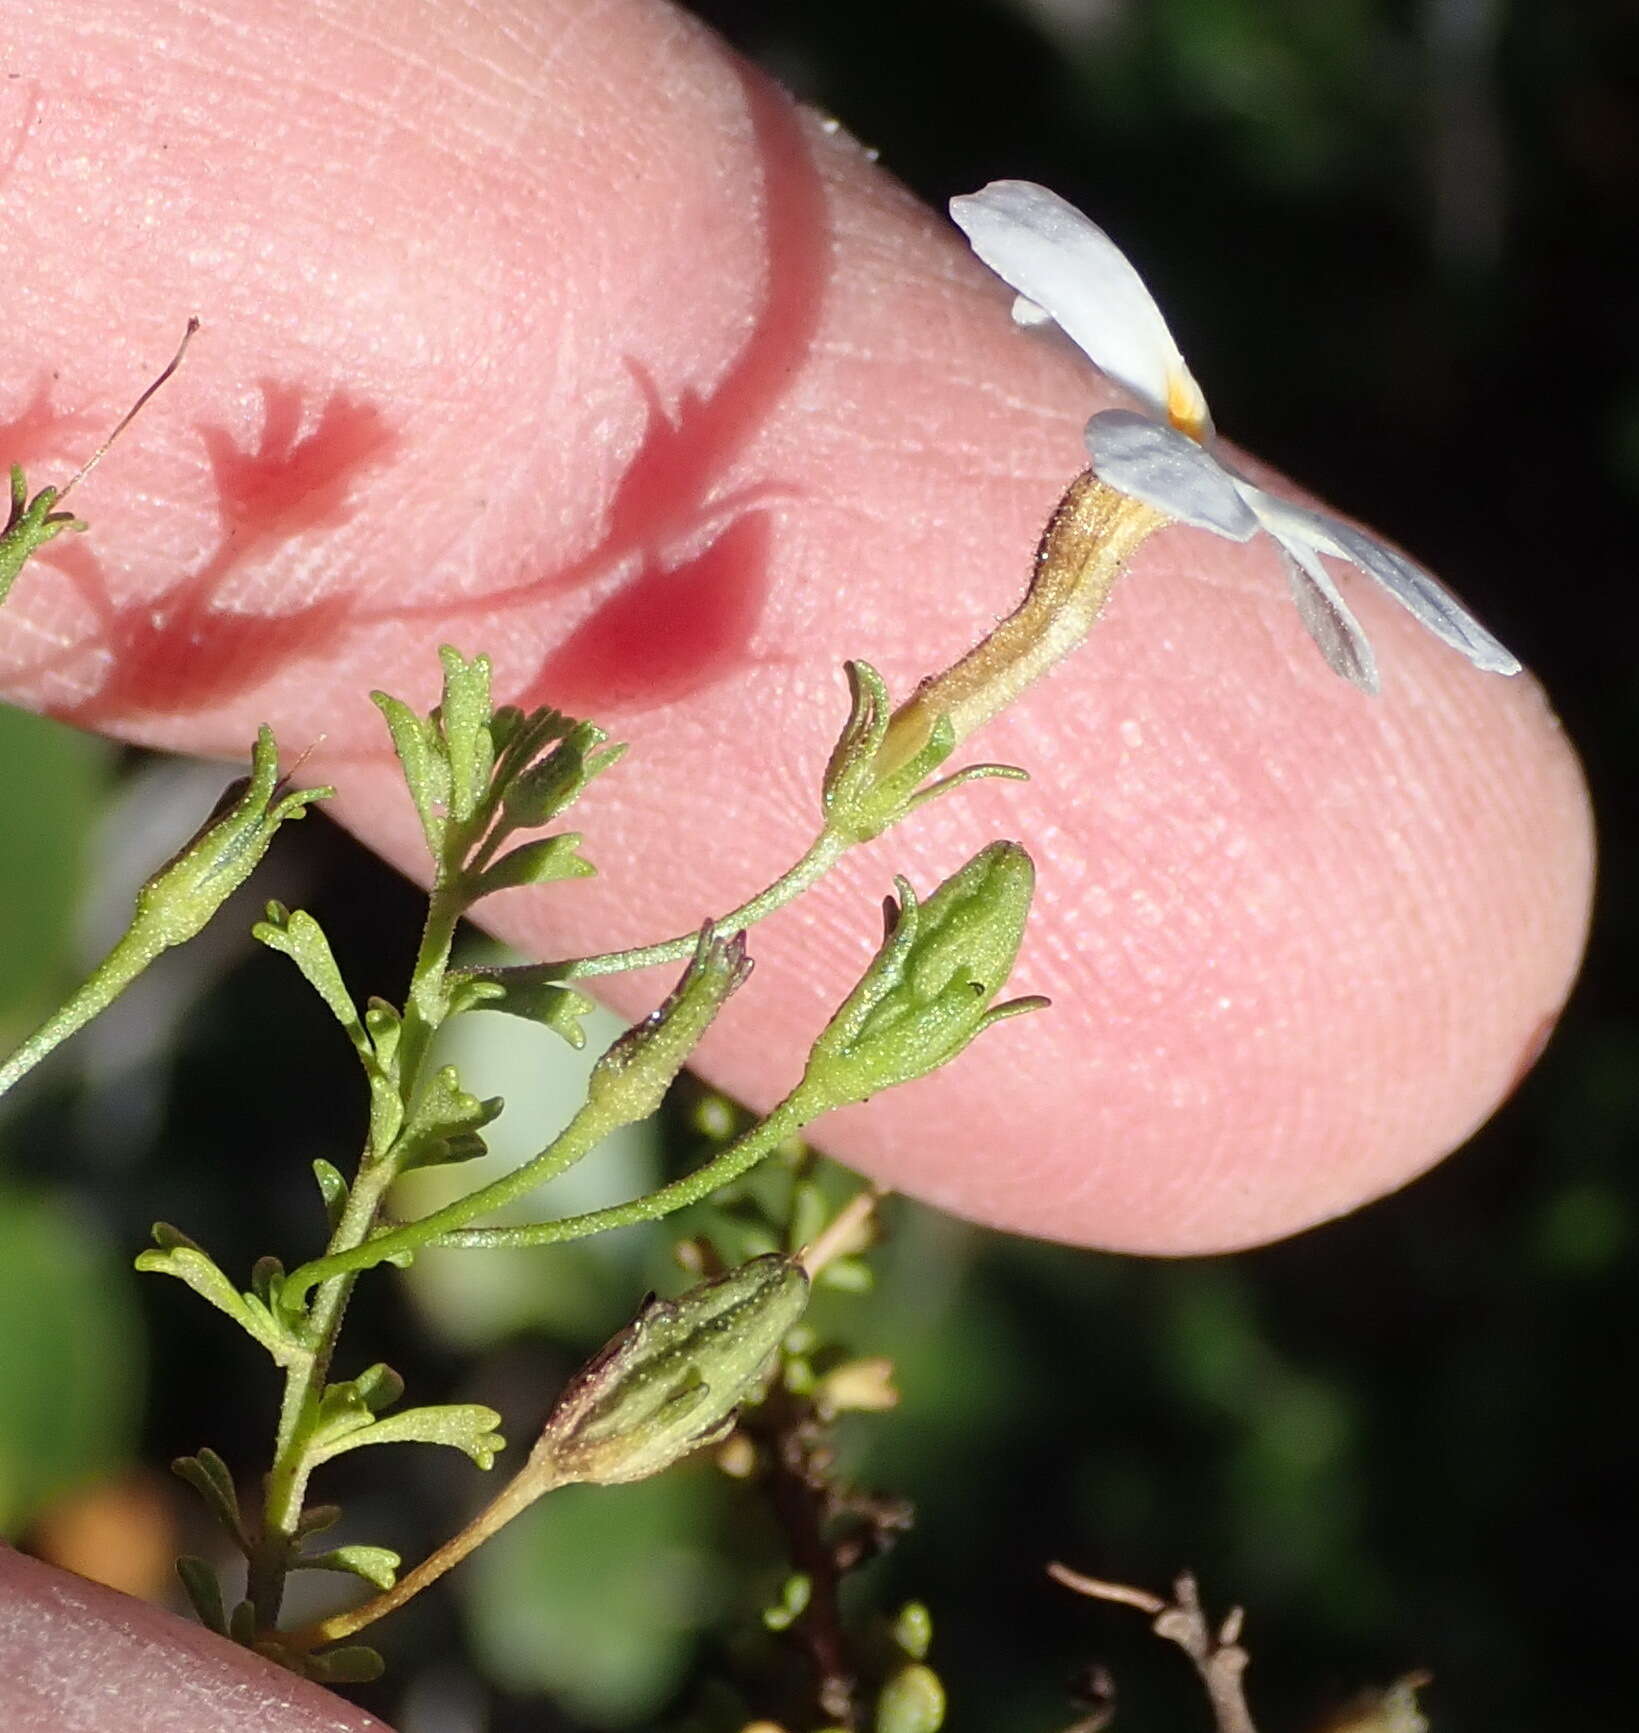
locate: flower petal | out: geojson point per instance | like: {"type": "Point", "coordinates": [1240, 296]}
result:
{"type": "Point", "coordinates": [1424, 596]}
{"type": "Point", "coordinates": [1326, 616]}
{"type": "Point", "coordinates": [1066, 265]}
{"type": "Point", "coordinates": [1418, 591]}
{"type": "Point", "coordinates": [1162, 467]}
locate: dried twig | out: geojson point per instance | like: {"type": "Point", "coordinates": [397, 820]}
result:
{"type": "Point", "coordinates": [1217, 1655]}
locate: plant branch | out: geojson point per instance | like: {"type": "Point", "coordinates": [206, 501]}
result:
{"type": "Point", "coordinates": [1216, 1655]}
{"type": "Point", "coordinates": [751, 1147]}
{"type": "Point", "coordinates": [826, 849]}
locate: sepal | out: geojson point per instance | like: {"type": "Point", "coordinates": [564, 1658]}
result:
{"type": "Point", "coordinates": [866, 790]}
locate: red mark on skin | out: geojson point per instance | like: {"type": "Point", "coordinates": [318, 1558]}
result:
{"type": "Point", "coordinates": [686, 559]}
{"type": "Point", "coordinates": [178, 652]}
{"type": "Point", "coordinates": [176, 656]}
{"type": "Point", "coordinates": [37, 430]}
{"type": "Point", "coordinates": [647, 644]}
{"type": "Point", "coordinates": [687, 618]}
{"type": "Point", "coordinates": [294, 481]}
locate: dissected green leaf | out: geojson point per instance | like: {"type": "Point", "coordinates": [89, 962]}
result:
{"type": "Point", "coordinates": [464, 1426]}
{"type": "Point", "coordinates": [333, 1188]}
{"type": "Point", "coordinates": [204, 1592]}
{"type": "Point", "coordinates": [445, 1124]}
{"type": "Point", "coordinates": [208, 1475]}
{"type": "Point", "coordinates": [30, 524]}
{"type": "Point", "coordinates": [378, 1565]}
{"type": "Point", "coordinates": [298, 936]}
{"type": "Point", "coordinates": [533, 991]}
{"type": "Point", "coordinates": [422, 756]}
{"type": "Point", "coordinates": [178, 1256]}
{"type": "Point", "coordinates": [351, 1404]}
{"type": "Point", "coordinates": [463, 718]}
{"type": "Point", "coordinates": [545, 861]}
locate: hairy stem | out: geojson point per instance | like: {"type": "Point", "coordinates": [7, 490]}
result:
{"type": "Point", "coordinates": [757, 1142]}
{"type": "Point", "coordinates": [298, 1413]}
{"type": "Point", "coordinates": [114, 974]}
{"type": "Point", "coordinates": [286, 1490]}
{"type": "Point", "coordinates": [821, 856]}
{"type": "Point", "coordinates": [1087, 543]}
{"type": "Point", "coordinates": [517, 1495]}
{"type": "Point", "coordinates": [425, 1007]}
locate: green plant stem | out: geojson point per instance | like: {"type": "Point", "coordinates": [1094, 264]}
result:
{"type": "Point", "coordinates": [444, 1227]}
{"type": "Point", "coordinates": [299, 1411]}
{"type": "Point", "coordinates": [129, 957]}
{"type": "Point", "coordinates": [517, 1495]}
{"type": "Point", "coordinates": [757, 1142]}
{"type": "Point", "coordinates": [578, 1139]}
{"type": "Point", "coordinates": [305, 1382]}
{"type": "Point", "coordinates": [826, 850]}
{"type": "Point", "coordinates": [427, 1002]}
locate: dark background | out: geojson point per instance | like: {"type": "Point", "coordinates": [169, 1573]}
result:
{"type": "Point", "coordinates": [1394, 240]}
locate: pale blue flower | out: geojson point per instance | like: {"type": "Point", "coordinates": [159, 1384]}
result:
{"type": "Point", "coordinates": [1066, 270]}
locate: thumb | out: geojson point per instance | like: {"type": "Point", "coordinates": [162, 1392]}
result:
{"type": "Point", "coordinates": [559, 333]}
{"type": "Point", "coordinates": [137, 1669]}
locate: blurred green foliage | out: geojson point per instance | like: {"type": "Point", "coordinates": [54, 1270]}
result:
{"type": "Point", "coordinates": [51, 784]}
{"type": "Point", "coordinates": [597, 1595]}
{"type": "Point", "coordinates": [70, 1355]}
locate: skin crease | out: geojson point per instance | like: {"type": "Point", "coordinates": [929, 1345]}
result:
{"type": "Point", "coordinates": [550, 330]}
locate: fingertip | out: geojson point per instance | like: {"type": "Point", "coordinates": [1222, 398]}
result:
{"type": "Point", "coordinates": [83, 1656]}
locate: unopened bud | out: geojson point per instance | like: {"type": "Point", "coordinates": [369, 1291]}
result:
{"type": "Point", "coordinates": [671, 1381]}
{"type": "Point", "coordinates": [928, 991]}
{"type": "Point", "coordinates": [630, 1081]}
{"type": "Point", "coordinates": [179, 900]}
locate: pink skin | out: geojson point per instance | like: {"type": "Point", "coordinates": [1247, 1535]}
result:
{"type": "Point", "coordinates": [79, 1658]}
{"type": "Point", "coordinates": [551, 330]}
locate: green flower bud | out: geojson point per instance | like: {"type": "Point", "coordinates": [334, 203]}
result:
{"type": "Point", "coordinates": [179, 900]}
{"type": "Point", "coordinates": [671, 1381]}
{"type": "Point", "coordinates": [928, 991]}
{"type": "Point", "coordinates": [630, 1081]}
